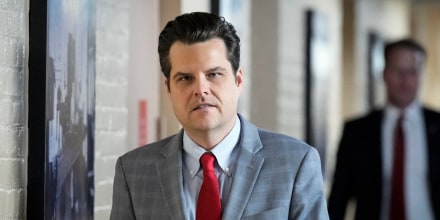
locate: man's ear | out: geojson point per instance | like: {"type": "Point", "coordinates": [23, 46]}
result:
{"type": "Point", "coordinates": [166, 84]}
{"type": "Point", "coordinates": [239, 78]}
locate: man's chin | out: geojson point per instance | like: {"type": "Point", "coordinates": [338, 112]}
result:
{"type": "Point", "coordinates": [206, 124]}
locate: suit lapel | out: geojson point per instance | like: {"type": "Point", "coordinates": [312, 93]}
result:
{"type": "Point", "coordinates": [247, 170]}
{"type": "Point", "coordinates": [171, 178]}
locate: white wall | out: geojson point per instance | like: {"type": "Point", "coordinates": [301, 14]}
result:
{"type": "Point", "coordinates": [13, 108]}
{"type": "Point", "coordinates": [144, 76]}
{"type": "Point", "coordinates": [112, 66]}
{"type": "Point", "coordinates": [195, 5]}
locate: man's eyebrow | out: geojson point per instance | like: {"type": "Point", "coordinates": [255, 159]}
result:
{"type": "Point", "coordinates": [215, 69]}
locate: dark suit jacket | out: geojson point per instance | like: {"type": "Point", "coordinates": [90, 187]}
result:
{"type": "Point", "coordinates": [276, 177]}
{"type": "Point", "coordinates": [358, 172]}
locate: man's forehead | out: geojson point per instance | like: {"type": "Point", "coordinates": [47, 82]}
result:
{"type": "Point", "coordinates": [206, 55]}
{"type": "Point", "coordinates": [404, 55]}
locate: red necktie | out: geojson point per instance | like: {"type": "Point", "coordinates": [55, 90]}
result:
{"type": "Point", "coordinates": [397, 211]}
{"type": "Point", "coordinates": [209, 205]}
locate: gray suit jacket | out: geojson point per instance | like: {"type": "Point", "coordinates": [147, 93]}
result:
{"type": "Point", "coordinates": [276, 177]}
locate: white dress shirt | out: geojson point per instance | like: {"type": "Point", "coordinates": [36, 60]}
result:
{"type": "Point", "coordinates": [226, 154]}
{"type": "Point", "coordinates": [417, 201]}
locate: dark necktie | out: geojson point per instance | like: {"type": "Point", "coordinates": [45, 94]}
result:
{"type": "Point", "coordinates": [208, 203]}
{"type": "Point", "coordinates": [397, 208]}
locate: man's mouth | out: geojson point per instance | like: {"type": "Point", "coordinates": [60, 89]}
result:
{"type": "Point", "coordinates": [202, 106]}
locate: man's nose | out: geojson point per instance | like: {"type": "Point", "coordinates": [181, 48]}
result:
{"type": "Point", "coordinates": [201, 86]}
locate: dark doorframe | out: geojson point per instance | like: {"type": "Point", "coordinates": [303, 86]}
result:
{"type": "Point", "coordinates": [37, 105]}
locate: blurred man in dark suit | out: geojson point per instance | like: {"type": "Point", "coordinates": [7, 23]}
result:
{"type": "Point", "coordinates": [389, 160]}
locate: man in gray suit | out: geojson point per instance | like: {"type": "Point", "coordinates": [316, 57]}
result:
{"type": "Point", "coordinates": [261, 174]}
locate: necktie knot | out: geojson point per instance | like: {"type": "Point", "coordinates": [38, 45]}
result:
{"type": "Point", "coordinates": [401, 118]}
{"type": "Point", "coordinates": [207, 160]}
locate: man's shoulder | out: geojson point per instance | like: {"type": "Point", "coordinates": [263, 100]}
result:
{"type": "Point", "coordinates": [266, 134]}
{"type": "Point", "coordinates": [429, 112]}
{"type": "Point", "coordinates": [372, 117]}
{"type": "Point", "coordinates": [282, 141]}
{"type": "Point", "coordinates": [150, 150]}
{"type": "Point", "coordinates": [269, 138]}
{"type": "Point", "coordinates": [283, 150]}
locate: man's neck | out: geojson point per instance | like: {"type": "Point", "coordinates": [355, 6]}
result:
{"type": "Point", "coordinates": [209, 139]}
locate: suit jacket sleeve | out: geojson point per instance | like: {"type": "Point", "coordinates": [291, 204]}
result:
{"type": "Point", "coordinates": [122, 207]}
{"type": "Point", "coordinates": [308, 199]}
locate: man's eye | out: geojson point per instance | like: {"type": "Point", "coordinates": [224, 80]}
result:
{"type": "Point", "coordinates": [214, 74]}
{"type": "Point", "coordinates": [183, 78]}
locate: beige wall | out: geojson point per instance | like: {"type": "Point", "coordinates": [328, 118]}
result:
{"type": "Point", "coordinates": [426, 29]}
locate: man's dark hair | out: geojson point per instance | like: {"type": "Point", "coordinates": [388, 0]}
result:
{"type": "Point", "coordinates": [198, 27]}
{"type": "Point", "coordinates": [404, 43]}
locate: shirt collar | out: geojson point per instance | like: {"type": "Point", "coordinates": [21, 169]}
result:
{"type": "Point", "coordinates": [412, 111]}
{"type": "Point", "coordinates": [222, 151]}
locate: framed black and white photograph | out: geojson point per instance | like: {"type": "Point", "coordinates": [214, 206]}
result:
{"type": "Point", "coordinates": [70, 69]}
{"type": "Point", "coordinates": [61, 110]}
